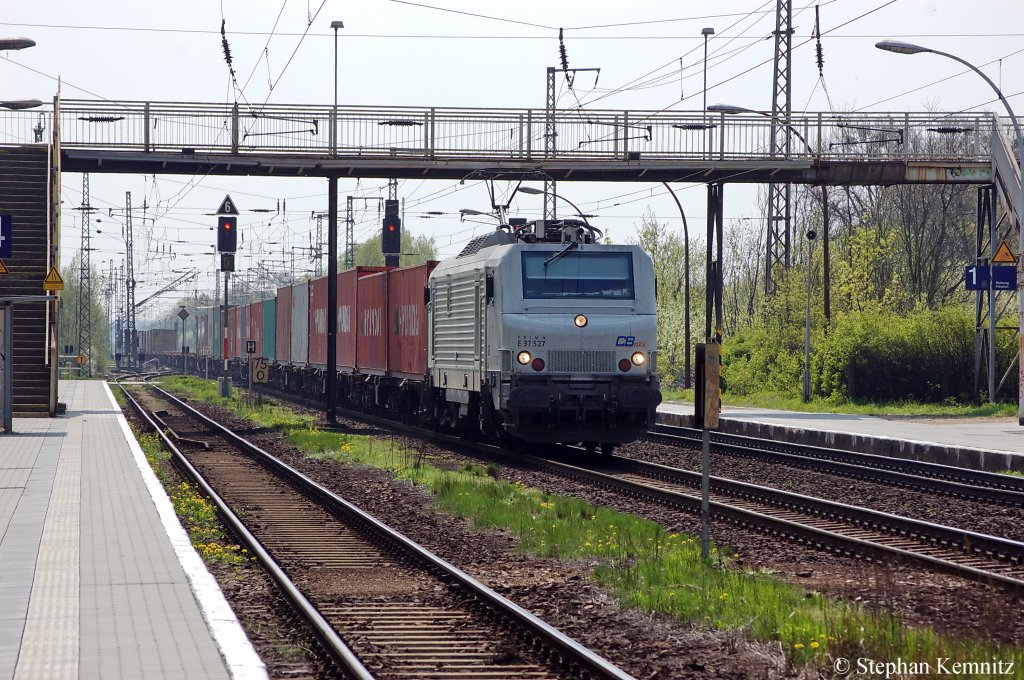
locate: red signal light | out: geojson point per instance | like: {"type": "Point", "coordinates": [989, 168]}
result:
{"type": "Point", "coordinates": [391, 227]}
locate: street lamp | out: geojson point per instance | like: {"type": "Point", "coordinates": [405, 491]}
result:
{"type": "Point", "coordinates": [16, 43]}
{"type": "Point", "coordinates": [811, 235]}
{"type": "Point", "coordinates": [730, 109]}
{"type": "Point", "coordinates": [686, 287]}
{"type": "Point", "coordinates": [908, 48]}
{"type": "Point", "coordinates": [334, 118]}
{"type": "Point", "coordinates": [19, 104]}
{"type": "Point", "coordinates": [706, 32]}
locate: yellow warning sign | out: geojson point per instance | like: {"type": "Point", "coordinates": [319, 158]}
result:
{"type": "Point", "coordinates": [53, 280]}
{"type": "Point", "coordinates": [82, 360]}
{"type": "Point", "coordinates": [1004, 255]}
{"type": "Point", "coordinates": [3, 268]}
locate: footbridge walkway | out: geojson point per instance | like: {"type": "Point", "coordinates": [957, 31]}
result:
{"type": "Point", "coordinates": [450, 143]}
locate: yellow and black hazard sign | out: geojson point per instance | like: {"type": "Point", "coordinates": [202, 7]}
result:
{"type": "Point", "coordinates": [53, 281]}
{"type": "Point", "coordinates": [3, 267]}
{"type": "Point", "coordinates": [1004, 255]}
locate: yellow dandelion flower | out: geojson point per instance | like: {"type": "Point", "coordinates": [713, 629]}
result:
{"type": "Point", "coordinates": [723, 597]}
{"type": "Point", "coordinates": [798, 645]}
{"type": "Point", "coordinates": [814, 644]}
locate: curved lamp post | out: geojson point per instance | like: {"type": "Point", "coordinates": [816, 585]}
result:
{"type": "Point", "coordinates": [826, 264]}
{"type": "Point", "coordinates": [686, 287]}
{"type": "Point", "coordinates": [909, 48]}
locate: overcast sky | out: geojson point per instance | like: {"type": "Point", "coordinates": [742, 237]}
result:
{"type": "Point", "coordinates": [475, 55]}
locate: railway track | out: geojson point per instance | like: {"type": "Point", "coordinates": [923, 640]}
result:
{"type": "Point", "coordinates": [382, 606]}
{"type": "Point", "coordinates": [825, 524]}
{"type": "Point", "coordinates": [911, 474]}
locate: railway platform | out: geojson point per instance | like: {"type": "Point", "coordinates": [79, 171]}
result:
{"type": "Point", "coordinates": [97, 577]}
{"type": "Point", "coordinates": [991, 444]}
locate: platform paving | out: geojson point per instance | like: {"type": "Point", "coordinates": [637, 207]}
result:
{"type": "Point", "coordinates": [993, 444]}
{"type": "Point", "coordinates": [97, 578]}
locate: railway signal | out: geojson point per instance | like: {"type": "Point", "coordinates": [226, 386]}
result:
{"type": "Point", "coordinates": [227, 234]}
{"type": "Point", "coordinates": [391, 237]}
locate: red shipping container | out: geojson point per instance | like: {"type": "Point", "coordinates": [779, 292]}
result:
{"type": "Point", "coordinates": [371, 322]}
{"type": "Point", "coordinates": [234, 318]}
{"type": "Point", "coordinates": [346, 337]}
{"type": "Point", "coordinates": [254, 321]}
{"type": "Point", "coordinates": [284, 325]}
{"type": "Point", "coordinates": [318, 322]}
{"type": "Point", "coordinates": [407, 321]}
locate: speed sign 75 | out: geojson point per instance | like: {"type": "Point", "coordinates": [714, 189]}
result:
{"type": "Point", "coordinates": [260, 368]}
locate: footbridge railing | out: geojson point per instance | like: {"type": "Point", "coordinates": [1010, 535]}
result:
{"type": "Point", "coordinates": [505, 134]}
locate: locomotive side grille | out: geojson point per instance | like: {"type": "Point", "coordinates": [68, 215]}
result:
{"type": "Point", "coordinates": [456, 324]}
{"type": "Point", "coordinates": [582, 361]}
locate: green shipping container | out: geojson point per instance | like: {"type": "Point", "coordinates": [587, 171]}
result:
{"type": "Point", "coordinates": [270, 329]}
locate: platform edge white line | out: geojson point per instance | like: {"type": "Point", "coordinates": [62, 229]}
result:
{"type": "Point", "coordinates": [240, 657]}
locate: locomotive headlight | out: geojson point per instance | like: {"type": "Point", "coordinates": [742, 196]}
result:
{"type": "Point", "coordinates": [638, 358]}
{"type": "Point", "coordinates": [524, 358]}
{"type": "Point", "coordinates": [580, 321]}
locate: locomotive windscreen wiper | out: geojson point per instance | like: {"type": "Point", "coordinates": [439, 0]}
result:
{"type": "Point", "coordinates": [561, 253]}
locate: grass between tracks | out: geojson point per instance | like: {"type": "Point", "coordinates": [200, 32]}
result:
{"type": "Point", "coordinates": [643, 564]}
{"type": "Point", "coordinates": [198, 514]}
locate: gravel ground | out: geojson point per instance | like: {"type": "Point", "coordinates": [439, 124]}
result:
{"type": "Point", "coordinates": [986, 518]}
{"type": "Point", "coordinates": [644, 645]}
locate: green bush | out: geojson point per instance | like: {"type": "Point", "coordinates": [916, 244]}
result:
{"type": "Point", "coordinates": [867, 355]}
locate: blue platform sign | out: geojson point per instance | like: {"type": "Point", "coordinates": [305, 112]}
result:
{"type": "Point", "coordinates": [6, 227]}
{"type": "Point", "coordinates": [1003, 277]}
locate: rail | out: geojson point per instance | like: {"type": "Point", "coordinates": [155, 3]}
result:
{"type": "Point", "coordinates": [502, 134]}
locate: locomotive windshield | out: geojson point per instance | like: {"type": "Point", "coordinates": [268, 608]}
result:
{"type": "Point", "coordinates": [607, 276]}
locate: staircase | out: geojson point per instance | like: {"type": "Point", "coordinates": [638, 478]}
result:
{"type": "Point", "coordinates": [23, 196]}
{"type": "Point", "coordinates": [1007, 173]}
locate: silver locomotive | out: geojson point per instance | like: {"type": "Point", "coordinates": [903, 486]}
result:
{"type": "Point", "coordinates": [541, 333]}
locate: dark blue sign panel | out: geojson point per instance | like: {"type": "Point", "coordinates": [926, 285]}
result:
{"type": "Point", "coordinates": [6, 227]}
{"type": "Point", "coordinates": [1003, 277]}
{"type": "Point", "coordinates": [977, 277]}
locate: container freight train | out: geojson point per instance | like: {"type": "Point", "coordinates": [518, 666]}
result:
{"type": "Point", "coordinates": [536, 332]}
{"type": "Point", "coordinates": [156, 341]}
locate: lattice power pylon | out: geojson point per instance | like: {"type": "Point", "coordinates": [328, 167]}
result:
{"type": "Point", "coordinates": [130, 336]}
{"type": "Point", "coordinates": [350, 246]}
{"type": "Point", "coordinates": [317, 251]}
{"type": "Point", "coordinates": [550, 148]}
{"type": "Point", "coordinates": [85, 282]}
{"type": "Point", "coordinates": [780, 230]}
